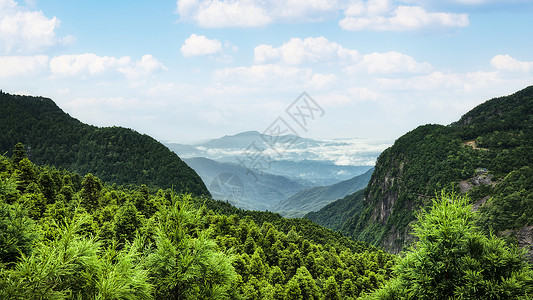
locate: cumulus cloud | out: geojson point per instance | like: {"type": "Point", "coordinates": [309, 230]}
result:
{"type": "Point", "coordinates": [510, 64]}
{"type": "Point", "coordinates": [26, 31]}
{"type": "Point", "coordinates": [22, 65]}
{"type": "Point", "coordinates": [248, 13]}
{"type": "Point", "coordinates": [197, 45]}
{"type": "Point", "coordinates": [265, 75]}
{"type": "Point", "coordinates": [223, 13]}
{"type": "Point", "coordinates": [389, 63]}
{"type": "Point", "coordinates": [363, 94]}
{"type": "Point", "coordinates": [310, 50]}
{"type": "Point", "coordinates": [86, 64]}
{"type": "Point", "coordinates": [381, 15]}
{"type": "Point", "coordinates": [143, 67]}
{"type": "Point", "coordinates": [438, 81]}
{"type": "Point", "coordinates": [92, 64]}
{"type": "Point", "coordinates": [322, 81]}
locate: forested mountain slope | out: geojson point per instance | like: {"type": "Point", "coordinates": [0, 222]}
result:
{"type": "Point", "coordinates": [488, 154]}
{"type": "Point", "coordinates": [247, 189]}
{"type": "Point", "coordinates": [314, 198]}
{"type": "Point", "coordinates": [63, 236]}
{"type": "Point", "coordinates": [114, 154]}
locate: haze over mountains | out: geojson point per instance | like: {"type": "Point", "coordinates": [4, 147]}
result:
{"type": "Point", "coordinates": [351, 152]}
{"type": "Point", "coordinates": [267, 170]}
{"type": "Point", "coordinates": [282, 166]}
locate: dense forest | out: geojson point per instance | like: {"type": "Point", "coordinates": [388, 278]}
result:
{"type": "Point", "coordinates": [66, 236]}
{"type": "Point", "coordinates": [487, 154]}
{"type": "Point", "coordinates": [114, 154]}
{"type": "Point", "coordinates": [444, 194]}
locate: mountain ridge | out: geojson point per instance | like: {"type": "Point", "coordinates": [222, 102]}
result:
{"type": "Point", "coordinates": [114, 154]}
{"type": "Point", "coordinates": [314, 198]}
{"type": "Point", "coordinates": [435, 157]}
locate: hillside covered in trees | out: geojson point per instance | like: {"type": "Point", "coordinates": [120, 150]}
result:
{"type": "Point", "coordinates": [487, 154]}
{"type": "Point", "coordinates": [66, 236]}
{"type": "Point", "coordinates": [114, 154]}
{"type": "Point", "coordinates": [69, 236]}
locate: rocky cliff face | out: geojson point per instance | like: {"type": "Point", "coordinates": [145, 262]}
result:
{"type": "Point", "coordinates": [387, 191]}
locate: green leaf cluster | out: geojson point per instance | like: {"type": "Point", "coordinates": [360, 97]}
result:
{"type": "Point", "coordinates": [452, 259]}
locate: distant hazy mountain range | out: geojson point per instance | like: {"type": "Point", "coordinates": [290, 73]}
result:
{"type": "Point", "coordinates": [242, 187]}
{"type": "Point", "coordinates": [322, 162]}
{"type": "Point", "coordinates": [286, 174]}
{"type": "Point", "coordinates": [315, 198]}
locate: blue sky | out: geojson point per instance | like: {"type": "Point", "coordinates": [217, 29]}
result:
{"type": "Point", "coordinates": [191, 70]}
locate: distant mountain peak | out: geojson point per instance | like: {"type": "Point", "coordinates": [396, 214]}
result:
{"type": "Point", "coordinates": [248, 133]}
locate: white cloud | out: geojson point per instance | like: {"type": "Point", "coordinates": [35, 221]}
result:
{"type": "Point", "coordinates": [508, 63]}
{"type": "Point", "coordinates": [380, 15]}
{"type": "Point", "coordinates": [92, 64]}
{"type": "Point", "coordinates": [215, 13]}
{"type": "Point", "coordinates": [26, 31]}
{"type": "Point", "coordinates": [363, 94]}
{"type": "Point", "coordinates": [115, 103]}
{"type": "Point", "coordinates": [322, 81]}
{"type": "Point", "coordinates": [248, 13]}
{"type": "Point", "coordinates": [471, 2]}
{"type": "Point", "coordinates": [197, 45]}
{"type": "Point", "coordinates": [439, 81]}
{"type": "Point", "coordinates": [310, 50]}
{"type": "Point", "coordinates": [88, 63]}
{"type": "Point", "coordinates": [22, 65]}
{"type": "Point", "coordinates": [389, 63]}
{"type": "Point", "coordinates": [144, 67]}
{"type": "Point", "coordinates": [304, 10]}
{"type": "Point", "coordinates": [265, 75]}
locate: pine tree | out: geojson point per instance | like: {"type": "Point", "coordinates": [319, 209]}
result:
{"type": "Point", "coordinates": [185, 263]}
{"type": "Point", "coordinates": [90, 192]}
{"type": "Point", "coordinates": [293, 291]}
{"type": "Point", "coordinates": [126, 223]}
{"type": "Point", "coordinates": [19, 153]}
{"type": "Point", "coordinates": [331, 289]}
{"type": "Point", "coordinates": [453, 259]}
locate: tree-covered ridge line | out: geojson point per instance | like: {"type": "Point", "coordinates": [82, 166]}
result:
{"type": "Point", "coordinates": [65, 236]}
{"type": "Point", "coordinates": [114, 154]}
{"type": "Point", "coordinates": [433, 157]}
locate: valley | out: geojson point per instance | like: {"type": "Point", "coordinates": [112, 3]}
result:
{"type": "Point", "coordinates": [257, 231]}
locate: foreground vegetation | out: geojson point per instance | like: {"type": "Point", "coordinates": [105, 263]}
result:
{"type": "Point", "coordinates": [452, 259]}
{"type": "Point", "coordinates": [64, 236]}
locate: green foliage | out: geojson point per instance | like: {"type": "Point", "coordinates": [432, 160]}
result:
{"type": "Point", "coordinates": [126, 222]}
{"type": "Point", "coordinates": [185, 262]}
{"type": "Point", "coordinates": [113, 154]}
{"type": "Point", "coordinates": [512, 204]}
{"type": "Point", "coordinates": [17, 232]}
{"type": "Point", "coordinates": [452, 259]}
{"type": "Point", "coordinates": [90, 192]}
{"type": "Point", "coordinates": [70, 266]}
{"type": "Point", "coordinates": [71, 237]}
